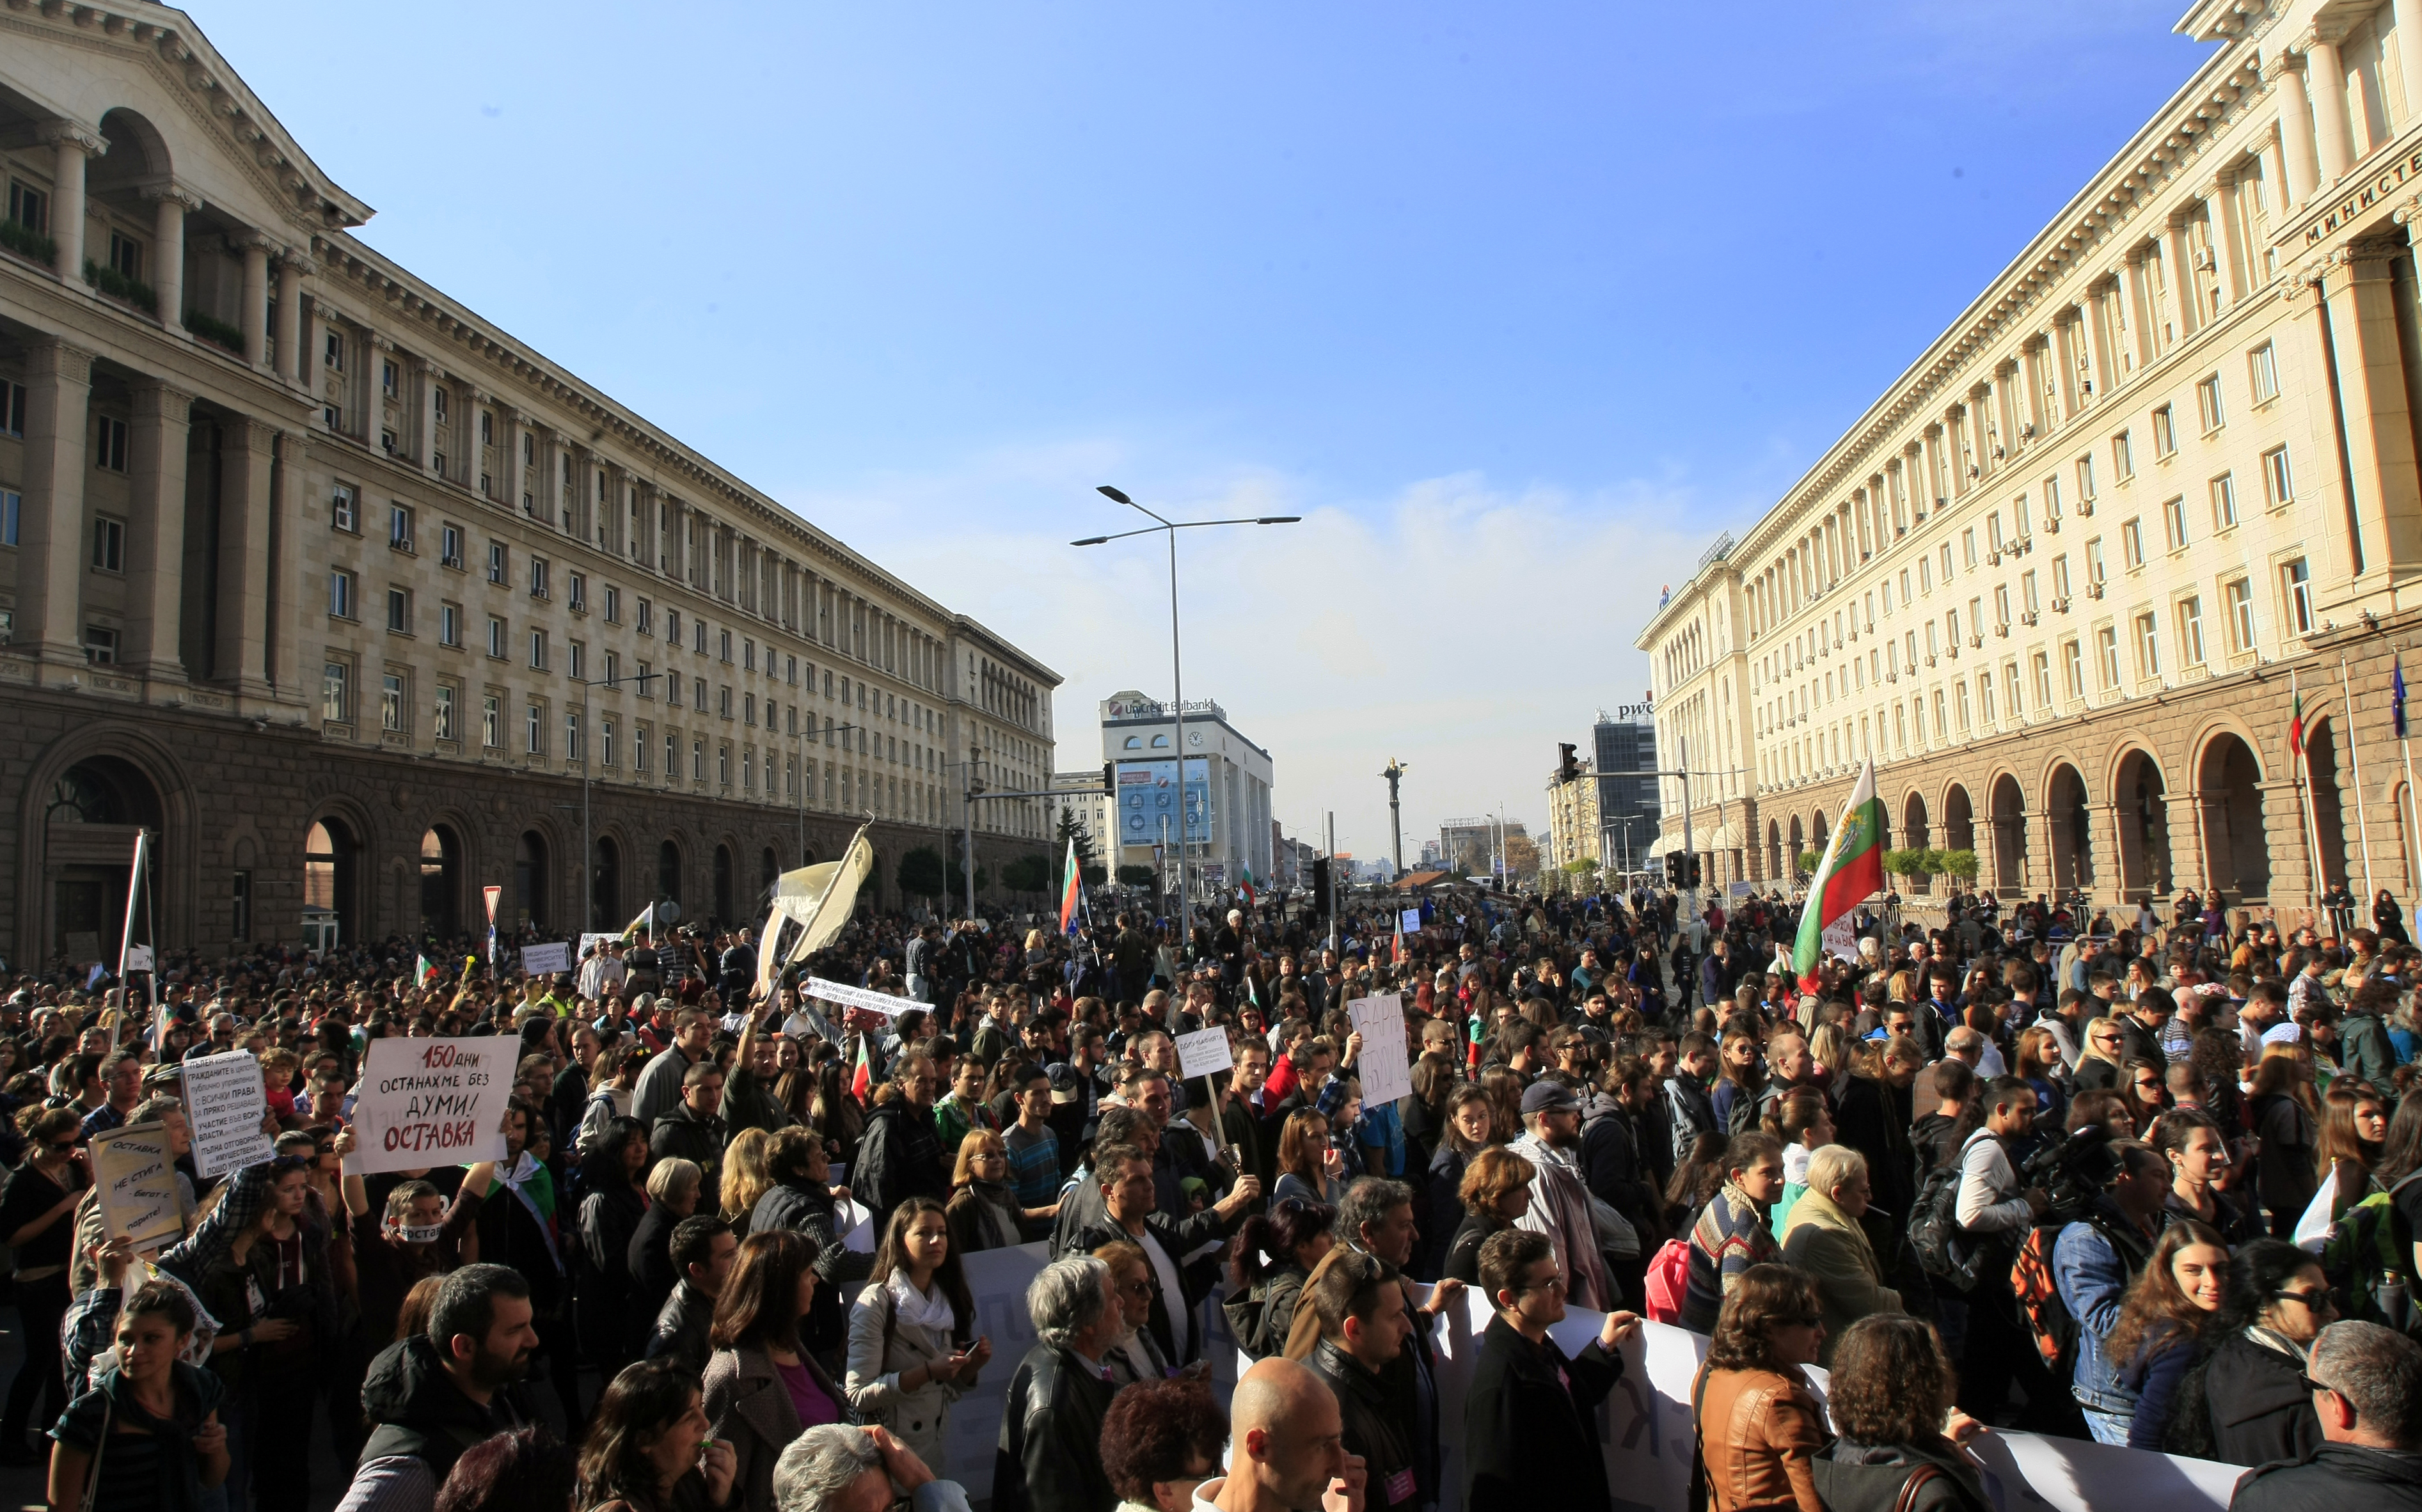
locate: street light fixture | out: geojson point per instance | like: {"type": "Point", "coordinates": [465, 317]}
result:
{"type": "Point", "coordinates": [1176, 664]}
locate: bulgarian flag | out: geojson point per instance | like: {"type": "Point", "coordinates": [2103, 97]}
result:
{"type": "Point", "coordinates": [1071, 887]}
{"type": "Point", "coordinates": [425, 974]}
{"type": "Point", "coordinates": [2295, 718]}
{"type": "Point", "coordinates": [1245, 886]}
{"type": "Point", "coordinates": [860, 1082]}
{"type": "Point", "coordinates": [1852, 869]}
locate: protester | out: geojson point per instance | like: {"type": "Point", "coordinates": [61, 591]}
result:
{"type": "Point", "coordinates": [762, 1388]}
{"type": "Point", "coordinates": [1531, 1411]}
{"type": "Point", "coordinates": [1890, 1399]}
{"type": "Point", "coordinates": [1825, 1238]}
{"type": "Point", "coordinates": [147, 1438]}
{"type": "Point", "coordinates": [1161, 1439]}
{"type": "Point", "coordinates": [1049, 1457]}
{"type": "Point", "coordinates": [1497, 1186]}
{"type": "Point", "coordinates": [2366, 1390]}
{"type": "Point", "coordinates": [1275, 1253]}
{"type": "Point", "coordinates": [432, 1395]}
{"type": "Point", "coordinates": [1734, 1231]}
{"type": "Point", "coordinates": [913, 1349]}
{"type": "Point", "coordinates": [1365, 1322]}
{"type": "Point", "coordinates": [1560, 1196]}
{"type": "Point", "coordinates": [1759, 1423]}
{"type": "Point", "coordinates": [650, 1448]}
{"type": "Point", "coordinates": [517, 1472]}
{"type": "Point", "coordinates": [2161, 1326]}
{"type": "Point", "coordinates": [837, 1467]}
{"type": "Point", "coordinates": [2244, 1402]}
{"type": "Point", "coordinates": [1286, 1447]}
{"type": "Point", "coordinates": [703, 1250]}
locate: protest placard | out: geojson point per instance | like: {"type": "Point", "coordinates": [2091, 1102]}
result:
{"type": "Point", "coordinates": [1381, 1066]}
{"type": "Point", "coordinates": [1203, 1053]}
{"type": "Point", "coordinates": [1409, 921]}
{"type": "Point", "coordinates": [1840, 938]}
{"type": "Point", "coordinates": [225, 1106]}
{"type": "Point", "coordinates": [849, 997]}
{"type": "Point", "coordinates": [135, 1176]}
{"type": "Point", "coordinates": [433, 1102]}
{"type": "Point", "coordinates": [596, 942]}
{"type": "Point", "coordinates": [540, 960]}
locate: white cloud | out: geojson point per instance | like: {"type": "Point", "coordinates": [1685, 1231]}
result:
{"type": "Point", "coordinates": [1462, 627]}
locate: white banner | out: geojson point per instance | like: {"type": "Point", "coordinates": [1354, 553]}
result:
{"type": "Point", "coordinates": [225, 1106]}
{"type": "Point", "coordinates": [540, 960]}
{"type": "Point", "coordinates": [872, 1002]}
{"type": "Point", "coordinates": [586, 940]}
{"type": "Point", "coordinates": [1381, 1066]}
{"type": "Point", "coordinates": [433, 1102]}
{"type": "Point", "coordinates": [1203, 1053]}
{"type": "Point", "coordinates": [1839, 938]}
{"type": "Point", "coordinates": [1409, 922]}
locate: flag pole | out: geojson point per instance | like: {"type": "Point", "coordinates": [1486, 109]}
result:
{"type": "Point", "coordinates": [2303, 777]}
{"type": "Point", "coordinates": [134, 884]}
{"type": "Point", "coordinates": [2354, 755]}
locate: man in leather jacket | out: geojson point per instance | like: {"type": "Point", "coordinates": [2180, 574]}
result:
{"type": "Point", "coordinates": [704, 1249]}
{"type": "Point", "coordinates": [1048, 1456]}
{"type": "Point", "coordinates": [1124, 1175]}
{"type": "Point", "coordinates": [1363, 1325]}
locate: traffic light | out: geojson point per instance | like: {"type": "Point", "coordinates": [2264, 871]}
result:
{"type": "Point", "coordinates": [1109, 779]}
{"type": "Point", "coordinates": [1320, 886]}
{"type": "Point", "coordinates": [1673, 869]}
{"type": "Point", "coordinates": [1691, 876]}
{"type": "Point", "coordinates": [1566, 767]}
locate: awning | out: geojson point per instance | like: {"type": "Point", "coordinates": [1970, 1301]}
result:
{"type": "Point", "coordinates": [1658, 847]}
{"type": "Point", "coordinates": [1724, 837]}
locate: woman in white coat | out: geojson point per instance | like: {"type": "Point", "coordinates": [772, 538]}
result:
{"type": "Point", "coordinates": [912, 1345]}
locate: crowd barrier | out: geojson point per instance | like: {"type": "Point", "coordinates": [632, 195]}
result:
{"type": "Point", "coordinates": [1644, 1425]}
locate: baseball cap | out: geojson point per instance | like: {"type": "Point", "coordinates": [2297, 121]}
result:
{"type": "Point", "coordinates": [1065, 1088]}
{"type": "Point", "coordinates": [1545, 1097]}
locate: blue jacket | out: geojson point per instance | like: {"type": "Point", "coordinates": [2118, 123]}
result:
{"type": "Point", "coordinates": [2093, 1265]}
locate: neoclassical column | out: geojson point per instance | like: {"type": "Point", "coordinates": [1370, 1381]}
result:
{"type": "Point", "coordinates": [155, 543]}
{"type": "Point", "coordinates": [239, 639]}
{"type": "Point", "coordinates": [2384, 479]}
{"type": "Point", "coordinates": [2332, 131]}
{"type": "Point", "coordinates": [169, 203]}
{"type": "Point", "coordinates": [298, 596]}
{"type": "Point", "coordinates": [511, 426]}
{"type": "Point", "coordinates": [315, 344]}
{"type": "Point", "coordinates": [469, 401]}
{"type": "Point", "coordinates": [255, 249]}
{"type": "Point", "coordinates": [2099, 356]}
{"type": "Point", "coordinates": [2298, 151]}
{"type": "Point", "coordinates": [423, 444]}
{"type": "Point", "coordinates": [2179, 248]}
{"type": "Point", "coordinates": [2290, 841]}
{"type": "Point", "coordinates": [377, 351]}
{"type": "Point", "coordinates": [2230, 259]}
{"type": "Point", "coordinates": [73, 145]}
{"type": "Point", "coordinates": [291, 266]}
{"type": "Point", "coordinates": [50, 576]}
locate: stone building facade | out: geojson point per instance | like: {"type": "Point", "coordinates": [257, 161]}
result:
{"type": "Point", "coordinates": [1574, 832]}
{"type": "Point", "coordinates": [2065, 580]}
{"type": "Point", "coordinates": [362, 603]}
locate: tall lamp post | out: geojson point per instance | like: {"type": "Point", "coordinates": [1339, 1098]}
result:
{"type": "Point", "coordinates": [587, 856]}
{"type": "Point", "coordinates": [1176, 667]}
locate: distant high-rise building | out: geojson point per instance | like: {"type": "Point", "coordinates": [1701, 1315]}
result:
{"type": "Point", "coordinates": [1627, 806]}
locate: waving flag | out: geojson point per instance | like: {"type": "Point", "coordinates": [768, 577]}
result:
{"type": "Point", "coordinates": [2295, 718]}
{"type": "Point", "coordinates": [1072, 887]}
{"type": "Point", "coordinates": [424, 973]}
{"type": "Point", "coordinates": [863, 1080]}
{"type": "Point", "coordinates": [1852, 869]}
{"type": "Point", "coordinates": [2397, 695]}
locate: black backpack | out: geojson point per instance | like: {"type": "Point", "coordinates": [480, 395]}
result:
{"type": "Point", "coordinates": [1945, 1249]}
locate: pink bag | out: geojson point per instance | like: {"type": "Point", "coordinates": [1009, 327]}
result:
{"type": "Point", "coordinates": [1668, 1280]}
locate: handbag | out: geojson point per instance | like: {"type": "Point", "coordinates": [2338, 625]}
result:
{"type": "Point", "coordinates": [92, 1477]}
{"type": "Point", "coordinates": [1916, 1483]}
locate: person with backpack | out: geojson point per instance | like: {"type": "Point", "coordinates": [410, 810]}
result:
{"type": "Point", "coordinates": [2373, 1253]}
{"type": "Point", "coordinates": [1993, 1213]}
{"type": "Point", "coordinates": [2095, 1263]}
{"type": "Point", "coordinates": [2364, 1052]}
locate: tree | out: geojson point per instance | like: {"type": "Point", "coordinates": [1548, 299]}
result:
{"type": "Point", "coordinates": [1807, 860]}
{"type": "Point", "coordinates": [1070, 829]}
{"type": "Point", "coordinates": [1137, 877]}
{"type": "Point", "coordinates": [1026, 873]}
{"type": "Point", "coordinates": [1522, 856]}
{"type": "Point", "coordinates": [1961, 864]}
{"type": "Point", "coordinates": [1093, 875]}
{"type": "Point", "coordinates": [1585, 867]}
{"type": "Point", "coordinates": [921, 874]}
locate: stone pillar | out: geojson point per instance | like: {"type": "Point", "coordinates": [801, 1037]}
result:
{"type": "Point", "coordinates": [2097, 336]}
{"type": "Point", "coordinates": [2297, 149]}
{"type": "Point", "coordinates": [241, 639]}
{"type": "Point", "coordinates": [377, 351]}
{"type": "Point", "coordinates": [50, 555]}
{"type": "Point", "coordinates": [2387, 503]}
{"type": "Point", "coordinates": [289, 346]}
{"type": "Point", "coordinates": [2408, 54]}
{"type": "Point", "coordinates": [255, 250]}
{"type": "Point", "coordinates": [2179, 248]}
{"type": "Point", "coordinates": [169, 203]}
{"type": "Point", "coordinates": [2231, 266]}
{"type": "Point", "coordinates": [155, 543]}
{"type": "Point", "coordinates": [510, 426]}
{"type": "Point", "coordinates": [466, 435]}
{"type": "Point", "coordinates": [73, 145]}
{"type": "Point", "coordinates": [314, 365]}
{"type": "Point", "coordinates": [423, 442]}
{"type": "Point", "coordinates": [2332, 132]}
{"type": "Point", "coordinates": [298, 597]}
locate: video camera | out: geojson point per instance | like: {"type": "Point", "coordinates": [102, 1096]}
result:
{"type": "Point", "coordinates": [2073, 1172]}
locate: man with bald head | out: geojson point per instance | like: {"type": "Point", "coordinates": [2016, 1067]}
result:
{"type": "Point", "coordinates": [1286, 1446]}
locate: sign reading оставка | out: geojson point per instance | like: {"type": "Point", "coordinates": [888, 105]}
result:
{"type": "Point", "coordinates": [433, 1102]}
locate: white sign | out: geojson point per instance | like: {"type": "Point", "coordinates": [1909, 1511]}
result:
{"type": "Point", "coordinates": [1409, 921]}
{"type": "Point", "coordinates": [137, 1178]}
{"type": "Point", "coordinates": [598, 941]}
{"type": "Point", "coordinates": [1381, 1066]}
{"type": "Point", "coordinates": [1741, 890]}
{"type": "Point", "coordinates": [1840, 938]}
{"type": "Point", "coordinates": [433, 1102]}
{"type": "Point", "coordinates": [849, 997]}
{"type": "Point", "coordinates": [138, 959]}
{"type": "Point", "coordinates": [225, 1106]}
{"type": "Point", "coordinates": [1203, 1053]}
{"type": "Point", "coordinates": [538, 960]}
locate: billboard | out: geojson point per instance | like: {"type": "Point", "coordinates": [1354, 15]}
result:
{"type": "Point", "coordinates": [1148, 800]}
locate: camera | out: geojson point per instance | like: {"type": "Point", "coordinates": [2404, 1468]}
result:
{"type": "Point", "coordinates": [2073, 1172]}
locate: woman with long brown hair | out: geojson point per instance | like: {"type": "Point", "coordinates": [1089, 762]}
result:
{"type": "Point", "coordinates": [642, 1452]}
{"type": "Point", "coordinates": [2353, 1127]}
{"type": "Point", "coordinates": [2281, 1102]}
{"type": "Point", "coordinates": [1308, 1162]}
{"type": "Point", "coordinates": [2162, 1320]}
{"type": "Point", "coordinates": [1760, 1423]}
{"type": "Point", "coordinates": [762, 1387]}
{"type": "Point", "coordinates": [913, 1348]}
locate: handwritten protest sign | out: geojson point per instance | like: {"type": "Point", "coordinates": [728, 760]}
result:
{"type": "Point", "coordinates": [1203, 1053]}
{"type": "Point", "coordinates": [136, 1177]}
{"type": "Point", "coordinates": [1381, 1066]}
{"type": "Point", "coordinates": [849, 997]}
{"type": "Point", "coordinates": [433, 1102]}
{"type": "Point", "coordinates": [539, 960]}
{"type": "Point", "coordinates": [225, 1105]}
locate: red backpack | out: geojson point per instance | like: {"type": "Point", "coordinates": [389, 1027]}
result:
{"type": "Point", "coordinates": [1668, 1280]}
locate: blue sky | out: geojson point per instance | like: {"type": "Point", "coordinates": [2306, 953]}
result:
{"type": "Point", "coordinates": [1519, 306]}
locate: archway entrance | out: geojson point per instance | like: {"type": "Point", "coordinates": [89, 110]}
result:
{"type": "Point", "coordinates": [2329, 811]}
{"type": "Point", "coordinates": [529, 880]}
{"type": "Point", "coordinates": [2072, 830]}
{"type": "Point", "coordinates": [1774, 850]}
{"type": "Point", "coordinates": [331, 886]}
{"type": "Point", "coordinates": [1792, 867]}
{"type": "Point", "coordinates": [441, 883]}
{"type": "Point", "coordinates": [769, 871]}
{"type": "Point", "coordinates": [668, 872]}
{"type": "Point", "coordinates": [2009, 824]}
{"type": "Point", "coordinates": [605, 885]}
{"type": "Point", "coordinates": [723, 912]}
{"type": "Point", "coordinates": [2144, 827]}
{"type": "Point", "coordinates": [2236, 846]}
{"type": "Point", "coordinates": [93, 813]}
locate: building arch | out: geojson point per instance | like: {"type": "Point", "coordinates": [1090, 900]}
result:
{"type": "Point", "coordinates": [530, 898]}
{"type": "Point", "coordinates": [2329, 815]}
{"type": "Point", "coordinates": [2141, 817]}
{"type": "Point", "coordinates": [1913, 821]}
{"type": "Point", "coordinates": [141, 768]}
{"type": "Point", "coordinates": [668, 869]}
{"type": "Point", "coordinates": [2006, 808]}
{"type": "Point", "coordinates": [606, 883]}
{"type": "Point", "coordinates": [335, 848]}
{"type": "Point", "coordinates": [1774, 850]}
{"type": "Point", "coordinates": [1798, 848]}
{"type": "Point", "coordinates": [2229, 809]}
{"type": "Point", "coordinates": [442, 869]}
{"type": "Point", "coordinates": [2072, 828]}
{"type": "Point", "coordinates": [138, 155]}
{"type": "Point", "coordinates": [1959, 818]}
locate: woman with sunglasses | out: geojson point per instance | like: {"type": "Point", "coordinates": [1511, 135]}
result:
{"type": "Point", "coordinates": [37, 1223]}
{"type": "Point", "coordinates": [2244, 1401]}
{"type": "Point", "coordinates": [2097, 1059]}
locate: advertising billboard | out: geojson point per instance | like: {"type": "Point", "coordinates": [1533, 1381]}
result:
{"type": "Point", "coordinates": [1149, 799]}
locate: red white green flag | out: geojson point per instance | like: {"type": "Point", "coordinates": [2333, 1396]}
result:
{"type": "Point", "coordinates": [425, 974]}
{"type": "Point", "coordinates": [2295, 718]}
{"type": "Point", "coordinates": [1852, 869]}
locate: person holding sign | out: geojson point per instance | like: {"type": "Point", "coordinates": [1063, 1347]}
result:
{"type": "Point", "coordinates": [1530, 1414]}
{"type": "Point", "coordinates": [164, 1445]}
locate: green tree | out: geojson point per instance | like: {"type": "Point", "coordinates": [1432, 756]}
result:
{"type": "Point", "coordinates": [1137, 877]}
{"type": "Point", "coordinates": [1070, 829]}
{"type": "Point", "coordinates": [922, 874]}
{"type": "Point", "coordinates": [1961, 864]}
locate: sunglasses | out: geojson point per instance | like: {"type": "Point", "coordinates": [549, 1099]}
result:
{"type": "Point", "coordinates": [2311, 1385]}
{"type": "Point", "coordinates": [2315, 1300]}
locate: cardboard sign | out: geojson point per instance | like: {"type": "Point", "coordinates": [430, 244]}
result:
{"type": "Point", "coordinates": [1381, 1066]}
{"type": "Point", "coordinates": [1840, 938]}
{"type": "Point", "coordinates": [589, 942]}
{"type": "Point", "coordinates": [540, 960]}
{"type": "Point", "coordinates": [872, 1002]}
{"type": "Point", "coordinates": [136, 1180]}
{"type": "Point", "coordinates": [433, 1102]}
{"type": "Point", "coordinates": [225, 1106]}
{"type": "Point", "coordinates": [138, 959]}
{"type": "Point", "coordinates": [1203, 1053]}
{"type": "Point", "coordinates": [1409, 921]}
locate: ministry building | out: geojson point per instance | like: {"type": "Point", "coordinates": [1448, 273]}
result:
{"type": "Point", "coordinates": [2060, 577]}
{"type": "Point", "coordinates": [359, 603]}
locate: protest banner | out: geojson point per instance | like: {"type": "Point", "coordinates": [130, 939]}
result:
{"type": "Point", "coordinates": [849, 997]}
{"type": "Point", "coordinates": [136, 1179]}
{"type": "Point", "coordinates": [542, 960]}
{"type": "Point", "coordinates": [433, 1102]}
{"type": "Point", "coordinates": [1203, 1053]}
{"type": "Point", "coordinates": [1384, 1072]}
{"type": "Point", "coordinates": [1409, 922]}
{"type": "Point", "coordinates": [1840, 938]}
{"type": "Point", "coordinates": [593, 940]}
{"type": "Point", "coordinates": [224, 1107]}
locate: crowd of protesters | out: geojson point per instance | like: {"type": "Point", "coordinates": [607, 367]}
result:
{"type": "Point", "coordinates": [2150, 1182]}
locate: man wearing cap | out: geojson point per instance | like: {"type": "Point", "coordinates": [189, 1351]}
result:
{"type": "Point", "coordinates": [1560, 1199]}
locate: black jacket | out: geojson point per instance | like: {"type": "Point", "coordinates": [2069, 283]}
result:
{"type": "Point", "coordinates": [1872, 1116]}
{"type": "Point", "coordinates": [685, 1135]}
{"type": "Point", "coordinates": [1177, 1240]}
{"type": "Point", "coordinates": [682, 1326]}
{"type": "Point", "coordinates": [2335, 1478]}
{"type": "Point", "coordinates": [1868, 1478]}
{"type": "Point", "coordinates": [1050, 1455]}
{"type": "Point", "coordinates": [1529, 1443]}
{"type": "Point", "coordinates": [649, 1259]}
{"type": "Point", "coordinates": [422, 1413]}
{"type": "Point", "coordinates": [1372, 1429]}
{"type": "Point", "coordinates": [1446, 1203]}
{"type": "Point", "coordinates": [1463, 1250]}
{"type": "Point", "coordinates": [898, 1157]}
{"type": "Point", "coordinates": [1612, 1166]}
{"type": "Point", "coordinates": [2260, 1411]}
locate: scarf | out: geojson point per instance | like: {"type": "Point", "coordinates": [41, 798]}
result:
{"type": "Point", "coordinates": [534, 1188]}
{"type": "Point", "coordinates": [999, 1211]}
{"type": "Point", "coordinates": [1560, 1208]}
{"type": "Point", "coordinates": [933, 1313]}
{"type": "Point", "coordinates": [2274, 1340]}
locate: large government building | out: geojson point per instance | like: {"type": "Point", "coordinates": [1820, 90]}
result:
{"type": "Point", "coordinates": [343, 591]}
{"type": "Point", "coordinates": [2059, 579]}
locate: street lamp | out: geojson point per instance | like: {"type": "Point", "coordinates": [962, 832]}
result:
{"type": "Point", "coordinates": [588, 858]}
{"type": "Point", "coordinates": [1177, 667]}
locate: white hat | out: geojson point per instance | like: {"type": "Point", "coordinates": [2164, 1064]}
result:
{"type": "Point", "coordinates": [2287, 1033]}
